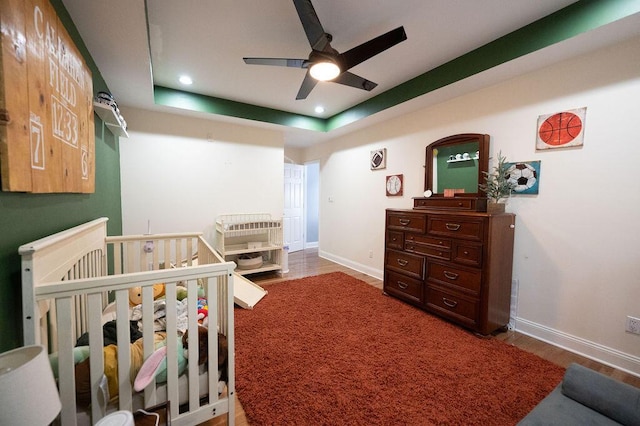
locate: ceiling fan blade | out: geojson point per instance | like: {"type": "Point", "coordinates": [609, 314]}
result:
{"type": "Point", "coordinates": [279, 62]}
{"type": "Point", "coordinates": [366, 50]}
{"type": "Point", "coordinates": [312, 27]}
{"type": "Point", "coordinates": [307, 85]}
{"type": "Point", "coordinates": [350, 79]}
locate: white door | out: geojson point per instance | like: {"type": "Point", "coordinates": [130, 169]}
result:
{"type": "Point", "coordinates": [292, 221]}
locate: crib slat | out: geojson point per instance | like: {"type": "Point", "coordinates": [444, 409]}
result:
{"type": "Point", "coordinates": [178, 260]}
{"type": "Point", "coordinates": [130, 254]}
{"type": "Point", "coordinates": [150, 392]}
{"type": "Point", "coordinates": [124, 353]}
{"type": "Point", "coordinates": [212, 341]}
{"type": "Point", "coordinates": [53, 319]}
{"type": "Point", "coordinates": [96, 341]}
{"type": "Point", "coordinates": [192, 307]}
{"type": "Point", "coordinates": [172, 348]}
{"type": "Point", "coordinates": [189, 251]}
{"type": "Point", "coordinates": [117, 258]}
{"type": "Point", "coordinates": [156, 261]}
{"type": "Point", "coordinates": [167, 254]}
{"type": "Point", "coordinates": [66, 373]}
{"type": "Point", "coordinates": [227, 304]}
{"type": "Point", "coordinates": [144, 264]}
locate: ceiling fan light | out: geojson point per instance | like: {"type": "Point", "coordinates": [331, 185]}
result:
{"type": "Point", "coordinates": [185, 79]}
{"type": "Point", "coordinates": [324, 71]}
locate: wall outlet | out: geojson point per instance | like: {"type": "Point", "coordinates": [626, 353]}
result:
{"type": "Point", "coordinates": [633, 325]}
{"type": "Point", "coordinates": [370, 254]}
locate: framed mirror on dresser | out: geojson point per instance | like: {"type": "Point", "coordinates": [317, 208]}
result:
{"type": "Point", "coordinates": [454, 166]}
{"type": "Point", "coordinates": [447, 255]}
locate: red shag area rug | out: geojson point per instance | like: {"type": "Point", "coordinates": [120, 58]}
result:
{"type": "Point", "coordinates": [333, 350]}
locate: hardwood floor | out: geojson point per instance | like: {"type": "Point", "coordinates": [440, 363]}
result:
{"type": "Point", "coordinates": [307, 262]}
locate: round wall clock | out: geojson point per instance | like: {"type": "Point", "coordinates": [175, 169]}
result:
{"type": "Point", "coordinates": [394, 185]}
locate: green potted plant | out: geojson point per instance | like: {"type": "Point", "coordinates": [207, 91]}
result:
{"type": "Point", "coordinates": [497, 185]}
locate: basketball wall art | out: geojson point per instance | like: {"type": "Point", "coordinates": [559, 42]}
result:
{"type": "Point", "coordinates": [524, 176]}
{"type": "Point", "coordinates": [561, 130]}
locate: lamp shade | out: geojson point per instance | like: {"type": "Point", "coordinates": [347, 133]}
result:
{"type": "Point", "coordinates": [28, 392]}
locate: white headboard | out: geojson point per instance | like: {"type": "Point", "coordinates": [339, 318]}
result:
{"type": "Point", "coordinates": [78, 252]}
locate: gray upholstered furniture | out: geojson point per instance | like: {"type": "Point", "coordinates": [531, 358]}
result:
{"type": "Point", "coordinates": [586, 397]}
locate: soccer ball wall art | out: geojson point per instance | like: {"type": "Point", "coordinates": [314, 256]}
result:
{"type": "Point", "coordinates": [524, 176]}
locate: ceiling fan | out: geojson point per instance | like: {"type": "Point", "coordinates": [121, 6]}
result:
{"type": "Point", "coordinates": [324, 62]}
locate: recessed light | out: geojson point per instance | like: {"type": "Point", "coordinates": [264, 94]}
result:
{"type": "Point", "coordinates": [185, 79]}
{"type": "Point", "coordinates": [319, 109]}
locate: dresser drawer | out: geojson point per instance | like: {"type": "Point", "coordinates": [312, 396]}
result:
{"type": "Point", "coordinates": [448, 203]}
{"type": "Point", "coordinates": [431, 251]}
{"type": "Point", "coordinates": [410, 222]}
{"type": "Point", "coordinates": [405, 263]}
{"type": "Point", "coordinates": [402, 286]}
{"type": "Point", "coordinates": [423, 239]}
{"type": "Point", "coordinates": [395, 240]}
{"type": "Point", "coordinates": [452, 305]}
{"type": "Point", "coordinates": [456, 227]}
{"type": "Point", "coordinates": [464, 279]}
{"type": "Point", "coordinates": [468, 254]}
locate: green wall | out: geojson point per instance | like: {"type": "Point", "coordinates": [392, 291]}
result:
{"type": "Point", "coordinates": [26, 217]}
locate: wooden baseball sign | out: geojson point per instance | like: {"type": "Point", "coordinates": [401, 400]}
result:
{"type": "Point", "coordinates": [47, 140]}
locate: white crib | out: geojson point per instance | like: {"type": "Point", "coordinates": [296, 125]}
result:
{"type": "Point", "coordinates": [68, 279]}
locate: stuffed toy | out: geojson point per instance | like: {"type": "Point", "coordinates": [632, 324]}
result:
{"type": "Point", "coordinates": [203, 349]}
{"type": "Point", "coordinates": [82, 371]}
{"type": "Point", "coordinates": [135, 294]}
{"type": "Point", "coordinates": [181, 292]}
{"type": "Point", "coordinates": [155, 366]}
{"type": "Point", "coordinates": [203, 312]}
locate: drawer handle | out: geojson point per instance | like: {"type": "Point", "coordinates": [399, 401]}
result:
{"type": "Point", "coordinates": [453, 226]}
{"type": "Point", "coordinates": [411, 247]}
{"type": "Point", "coordinates": [449, 303]}
{"type": "Point", "coordinates": [403, 286]}
{"type": "Point", "coordinates": [451, 275]}
{"type": "Point", "coordinates": [466, 253]}
{"type": "Point", "coordinates": [403, 262]}
{"type": "Point", "coordinates": [404, 222]}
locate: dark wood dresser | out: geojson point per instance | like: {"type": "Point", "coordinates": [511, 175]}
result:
{"type": "Point", "coordinates": [454, 264]}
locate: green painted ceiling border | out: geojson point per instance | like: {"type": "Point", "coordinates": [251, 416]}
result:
{"type": "Point", "coordinates": [575, 19]}
{"type": "Point", "coordinates": [202, 103]}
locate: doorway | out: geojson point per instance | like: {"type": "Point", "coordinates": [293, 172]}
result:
{"type": "Point", "coordinates": [301, 205]}
{"type": "Point", "coordinates": [293, 219]}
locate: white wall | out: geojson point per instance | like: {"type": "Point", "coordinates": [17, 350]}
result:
{"type": "Point", "coordinates": [577, 252]}
{"type": "Point", "coordinates": [181, 173]}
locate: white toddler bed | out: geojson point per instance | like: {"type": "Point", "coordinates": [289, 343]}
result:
{"type": "Point", "coordinates": [69, 278]}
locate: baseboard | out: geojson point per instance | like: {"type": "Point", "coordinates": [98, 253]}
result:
{"type": "Point", "coordinates": [603, 354]}
{"type": "Point", "coordinates": [311, 245]}
{"type": "Point", "coordinates": [372, 272]}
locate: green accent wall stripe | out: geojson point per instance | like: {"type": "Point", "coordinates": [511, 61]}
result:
{"type": "Point", "coordinates": [575, 19]}
{"type": "Point", "coordinates": [208, 104]}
